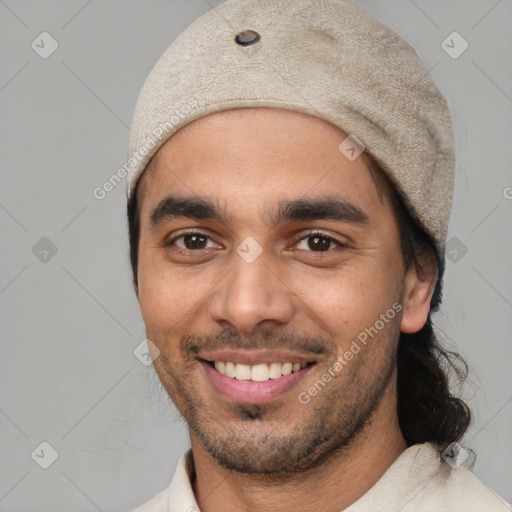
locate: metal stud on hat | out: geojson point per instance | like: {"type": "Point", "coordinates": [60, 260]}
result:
{"type": "Point", "coordinates": [247, 38]}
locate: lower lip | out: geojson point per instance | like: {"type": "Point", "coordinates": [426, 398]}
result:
{"type": "Point", "coordinates": [251, 392]}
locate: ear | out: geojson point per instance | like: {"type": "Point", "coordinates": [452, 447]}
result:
{"type": "Point", "coordinates": [419, 288]}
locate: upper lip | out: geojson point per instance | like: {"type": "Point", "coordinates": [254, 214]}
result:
{"type": "Point", "coordinates": [255, 356]}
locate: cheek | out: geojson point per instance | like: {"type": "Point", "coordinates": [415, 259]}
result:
{"type": "Point", "coordinates": [169, 297]}
{"type": "Point", "coordinates": [351, 299]}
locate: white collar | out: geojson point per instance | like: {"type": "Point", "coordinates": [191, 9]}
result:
{"type": "Point", "coordinates": [418, 480]}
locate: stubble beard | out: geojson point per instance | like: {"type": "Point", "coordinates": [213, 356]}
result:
{"type": "Point", "coordinates": [254, 443]}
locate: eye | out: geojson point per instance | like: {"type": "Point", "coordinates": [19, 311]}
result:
{"type": "Point", "coordinates": [191, 241]}
{"type": "Point", "coordinates": [195, 241]}
{"type": "Point", "coordinates": [318, 242]}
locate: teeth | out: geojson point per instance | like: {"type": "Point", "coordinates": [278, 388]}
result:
{"type": "Point", "coordinates": [275, 371]}
{"type": "Point", "coordinates": [287, 368]}
{"type": "Point", "coordinates": [243, 372]}
{"type": "Point", "coordinates": [259, 372]}
{"type": "Point", "coordinates": [230, 369]}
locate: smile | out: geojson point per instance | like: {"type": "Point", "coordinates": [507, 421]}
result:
{"type": "Point", "coordinates": [256, 373]}
{"type": "Point", "coordinates": [254, 376]}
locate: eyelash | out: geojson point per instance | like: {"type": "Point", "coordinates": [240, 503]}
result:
{"type": "Point", "coordinates": [319, 234]}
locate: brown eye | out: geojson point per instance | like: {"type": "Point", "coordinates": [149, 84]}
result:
{"type": "Point", "coordinates": [318, 242]}
{"type": "Point", "coordinates": [195, 241]}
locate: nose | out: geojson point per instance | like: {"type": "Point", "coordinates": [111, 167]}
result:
{"type": "Point", "coordinates": [251, 296]}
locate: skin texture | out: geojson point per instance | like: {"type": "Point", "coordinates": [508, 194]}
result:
{"type": "Point", "coordinates": [325, 454]}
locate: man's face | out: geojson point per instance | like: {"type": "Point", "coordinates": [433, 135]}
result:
{"type": "Point", "coordinates": [259, 285]}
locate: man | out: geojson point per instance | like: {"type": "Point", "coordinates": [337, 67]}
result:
{"type": "Point", "coordinates": [292, 174]}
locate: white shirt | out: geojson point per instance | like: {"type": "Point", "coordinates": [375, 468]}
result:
{"type": "Point", "coordinates": [418, 481]}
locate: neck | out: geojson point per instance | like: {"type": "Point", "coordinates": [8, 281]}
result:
{"type": "Point", "coordinates": [332, 486]}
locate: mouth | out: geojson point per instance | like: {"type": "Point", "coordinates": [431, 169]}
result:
{"type": "Point", "coordinates": [256, 373]}
{"type": "Point", "coordinates": [255, 376]}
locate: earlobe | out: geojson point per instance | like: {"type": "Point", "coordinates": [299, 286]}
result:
{"type": "Point", "coordinates": [417, 296]}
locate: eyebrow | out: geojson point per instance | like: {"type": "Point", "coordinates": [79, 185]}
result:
{"type": "Point", "coordinates": [330, 207]}
{"type": "Point", "coordinates": [172, 207]}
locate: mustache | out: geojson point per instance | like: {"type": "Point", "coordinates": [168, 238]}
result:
{"type": "Point", "coordinates": [193, 344]}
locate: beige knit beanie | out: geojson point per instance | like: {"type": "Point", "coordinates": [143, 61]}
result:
{"type": "Point", "coordinates": [325, 58]}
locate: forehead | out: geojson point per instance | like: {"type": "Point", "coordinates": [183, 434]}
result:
{"type": "Point", "coordinates": [258, 155]}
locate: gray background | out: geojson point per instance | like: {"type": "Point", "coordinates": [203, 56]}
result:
{"type": "Point", "coordinates": [69, 321]}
